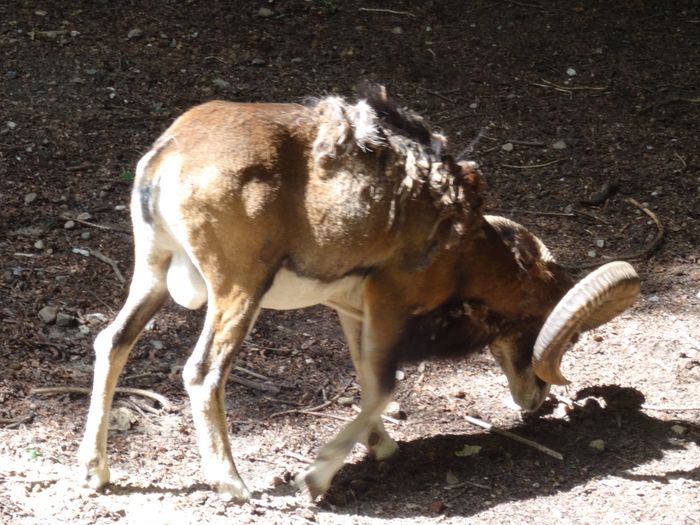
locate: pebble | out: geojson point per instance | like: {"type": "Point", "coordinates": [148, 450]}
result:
{"type": "Point", "coordinates": [65, 320]}
{"type": "Point", "coordinates": [600, 243]}
{"type": "Point", "coordinates": [157, 345]}
{"type": "Point", "coordinates": [86, 236]}
{"type": "Point", "coordinates": [597, 445]}
{"type": "Point", "coordinates": [30, 197]}
{"type": "Point", "coordinates": [136, 32]}
{"type": "Point", "coordinates": [39, 245]}
{"type": "Point", "coordinates": [397, 30]}
{"type": "Point", "coordinates": [507, 147]}
{"type": "Point", "coordinates": [679, 429]}
{"type": "Point", "coordinates": [400, 375]}
{"type": "Point", "coordinates": [559, 144]}
{"type": "Point", "coordinates": [11, 75]}
{"type": "Point", "coordinates": [120, 207]}
{"type": "Point", "coordinates": [346, 401]}
{"type": "Point", "coordinates": [258, 62]}
{"type": "Point", "coordinates": [221, 83]}
{"type": "Point", "coordinates": [265, 12]}
{"type": "Point", "coordinates": [393, 409]}
{"type": "Point", "coordinates": [437, 507]}
{"type": "Point", "coordinates": [85, 216]}
{"type": "Point", "coordinates": [571, 72]}
{"type": "Point", "coordinates": [591, 253]}
{"type": "Point", "coordinates": [48, 314]}
{"type": "Point", "coordinates": [69, 225]}
{"type": "Point", "coordinates": [11, 125]}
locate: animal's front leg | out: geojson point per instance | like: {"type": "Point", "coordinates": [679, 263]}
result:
{"type": "Point", "coordinates": [376, 368]}
{"type": "Point", "coordinates": [377, 440]}
{"type": "Point", "coordinates": [228, 320]}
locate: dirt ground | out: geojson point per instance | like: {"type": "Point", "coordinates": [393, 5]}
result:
{"type": "Point", "coordinates": [570, 96]}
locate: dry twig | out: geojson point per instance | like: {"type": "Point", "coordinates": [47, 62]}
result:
{"type": "Point", "coordinates": [17, 421]}
{"type": "Point", "coordinates": [95, 225]}
{"type": "Point", "coordinates": [386, 11]}
{"type": "Point", "coordinates": [313, 410]}
{"type": "Point", "coordinates": [254, 384]}
{"type": "Point", "coordinates": [515, 437]}
{"type": "Point", "coordinates": [533, 166]}
{"type": "Point", "coordinates": [167, 405]}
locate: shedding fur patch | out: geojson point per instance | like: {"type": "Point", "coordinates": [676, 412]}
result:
{"type": "Point", "coordinates": [415, 153]}
{"type": "Point", "coordinates": [343, 127]}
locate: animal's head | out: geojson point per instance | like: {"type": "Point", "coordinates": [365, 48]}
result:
{"type": "Point", "coordinates": [530, 355]}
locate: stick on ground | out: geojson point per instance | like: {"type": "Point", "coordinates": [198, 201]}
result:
{"type": "Point", "coordinates": [167, 405]}
{"type": "Point", "coordinates": [515, 437]}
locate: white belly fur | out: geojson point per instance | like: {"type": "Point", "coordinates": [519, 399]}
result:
{"type": "Point", "coordinates": [289, 291]}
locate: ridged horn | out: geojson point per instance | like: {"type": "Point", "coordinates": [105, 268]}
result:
{"type": "Point", "coordinates": [593, 301]}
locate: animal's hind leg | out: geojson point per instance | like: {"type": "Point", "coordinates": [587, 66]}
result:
{"type": "Point", "coordinates": [377, 440]}
{"type": "Point", "coordinates": [230, 314]}
{"type": "Point", "coordinates": [112, 346]}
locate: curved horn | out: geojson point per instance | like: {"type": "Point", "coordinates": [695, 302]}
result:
{"type": "Point", "coordinates": [595, 300]}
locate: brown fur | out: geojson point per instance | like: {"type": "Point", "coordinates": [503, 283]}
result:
{"type": "Point", "coordinates": [232, 196]}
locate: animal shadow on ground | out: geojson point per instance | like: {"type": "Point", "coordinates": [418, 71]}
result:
{"type": "Point", "coordinates": [428, 470]}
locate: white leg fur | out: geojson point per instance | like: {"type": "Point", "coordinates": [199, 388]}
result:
{"type": "Point", "coordinates": [112, 347]}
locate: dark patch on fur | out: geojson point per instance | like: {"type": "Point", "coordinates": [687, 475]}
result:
{"type": "Point", "coordinates": [146, 198]}
{"type": "Point", "coordinates": [455, 328]}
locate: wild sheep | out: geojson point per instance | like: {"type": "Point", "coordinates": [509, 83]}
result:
{"type": "Point", "coordinates": [356, 206]}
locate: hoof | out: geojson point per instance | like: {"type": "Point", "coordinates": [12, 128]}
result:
{"type": "Point", "coordinates": [233, 490]}
{"type": "Point", "coordinates": [384, 449]}
{"type": "Point", "coordinates": [309, 485]}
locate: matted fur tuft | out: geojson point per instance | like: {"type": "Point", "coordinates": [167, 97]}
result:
{"type": "Point", "coordinates": [343, 127]}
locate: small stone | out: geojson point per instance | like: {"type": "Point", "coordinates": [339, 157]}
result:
{"type": "Point", "coordinates": [11, 75]}
{"type": "Point", "coordinates": [600, 243]}
{"type": "Point", "coordinates": [157, 345]}
{"type": "Point", "coordinates": [397, 30]}
{"type": "Point", "coordinates": [400, 375]}
{"type": "Point", "coordinates": [30, 197]}
{"type": "Point", "coordinates": [66, 320]}
{"type": "Point", "coordinates": [48, 314]}
{"type": "Point", "coordinates": [85, 216]}
{"type": "Point", "coordinates": [393, 409]}
{"type": "Point", "coordinates": [559, 144]}
{"type": "Point", "coordinates": [598, 445]}
{"type": "Point", "coordinates": [345, 401]}
{"type": "Point", "coordinates": [69, 225]}
{"type": "Point", "coordinates": [507, 147]}
{"type": "Point", "coordinates": [265, 12]}
{"type": "Point", "coordinates": [571, 72]}
{"type": "Point", "coordinates": [468, 450]}
{"type": "Point", "coordinates": [39, 245]}
{"type": "Point", "coordinates": [136, 32]}
{"type": "Point", "coordinates": [221, 83]}
{"type": "Point", "coordinates": [654, 299]}
{"type": "Point", "coordinates": [296, 60]}
{"type": "Point", "coordinates": [679, 429]}
{"type": "Point", "coordinates": [258, 62]}
{"type": "Point", "coordinates": [591, 253]}
{"type": "Point", "coordinates": [437, 507]}
{"type": "Point", "coordinates": [473, 105]}
{"type": "Point", "coordinates": [86, 236]}
{"type": "Point", "coordinates": [11, 125]}
{"type": "Point", "coordinates": [84, 329]}
{"type": "Point", "coordinates": [120, 207]}
{"type": "Point", "coordinates": [451, 478]}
